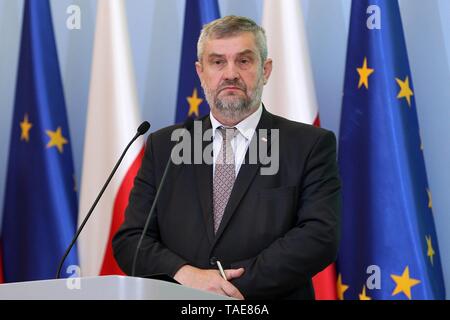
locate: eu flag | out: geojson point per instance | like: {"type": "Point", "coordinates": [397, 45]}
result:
{"type": "Point", "coordinates": [389, 248]}
{"type": "Point", "coordinates": [39, 216]}
{"type": "Point", "coordinates": [191, 100]}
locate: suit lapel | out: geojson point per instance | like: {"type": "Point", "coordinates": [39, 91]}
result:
{"type": "Point", "coordinates": [203, 178]}
{"type": "Point", "coordinates": [246, 173]}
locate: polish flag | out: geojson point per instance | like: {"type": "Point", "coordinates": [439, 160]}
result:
{"type": "Point", "coordinates": [112, 120]}
{"type": "Point", "coordinates": [290, 91]}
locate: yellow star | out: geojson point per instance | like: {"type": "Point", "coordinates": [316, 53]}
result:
{"type": "Point", "coordinates": [404, 283]}
{"type": "Point", "coordinates": [405, 90]}
{"type": "Point", "coordinates": [56, 139]}
{"type": "Point", "coordinates": [430, 252]}
{"type": "Point", "coordinates": [341, 288]}
{"type": "Point", "coordinates": [194, 103]}
{"type": "Point", "coordinates": [430, 200]}
{"type": "Point", "coordinates": [363, 296]}
{"type": "Point", "coordinates": [364, 74]}
{"type": "Point", "coordinates": [25, 126]}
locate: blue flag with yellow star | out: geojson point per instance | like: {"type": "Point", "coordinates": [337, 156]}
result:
{"type": "Point", "coordinates": [40, 207]}
{"type": "Point", "coordinates": [389, 248]}
{"type": "Point", "coordinates": [191, 100]}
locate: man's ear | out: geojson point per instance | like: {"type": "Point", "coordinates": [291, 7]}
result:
{"type": "Point", "coordinates": [199, 69]}
{"type": "Point", "coordinates": [267, 70]}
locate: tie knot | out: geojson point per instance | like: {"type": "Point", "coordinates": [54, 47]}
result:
{"type": "Point", "coordinates": [227, 132]}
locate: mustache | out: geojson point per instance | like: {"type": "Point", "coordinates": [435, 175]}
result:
{"type": "Point", "coordinates": [232, 83]}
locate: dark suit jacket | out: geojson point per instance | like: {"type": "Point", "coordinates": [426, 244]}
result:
{"type": "Point", "coordinates": [281, 228]}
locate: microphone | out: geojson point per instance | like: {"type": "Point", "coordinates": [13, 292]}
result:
{"type": "Point", "coordinates": [143, 128]}
{"type": "Point", "coordinates": [187, 125]}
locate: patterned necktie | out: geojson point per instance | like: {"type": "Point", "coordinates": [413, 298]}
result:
{"type": "Point", "coordinates": [224, 175]}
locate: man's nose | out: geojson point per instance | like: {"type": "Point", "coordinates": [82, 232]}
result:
{"type": "Point", "coordinates": [231, 72]}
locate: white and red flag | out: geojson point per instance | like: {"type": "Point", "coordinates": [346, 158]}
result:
{"type": "Point", "coordinates": [112, 120]}
{"type": "Point", "coordinates": [290, 91]}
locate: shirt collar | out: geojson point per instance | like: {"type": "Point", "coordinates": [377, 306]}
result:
{"type": "Point", "coordinates": [246, 127]}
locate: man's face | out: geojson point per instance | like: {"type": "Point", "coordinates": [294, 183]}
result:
{"type": "Point", "coordinates": [232, 75]}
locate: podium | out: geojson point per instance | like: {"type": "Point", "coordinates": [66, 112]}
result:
{"type": "Point", "coordinates": [103, 288]}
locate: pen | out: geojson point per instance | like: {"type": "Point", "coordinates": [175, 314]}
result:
{"type": "Point", "coordinates": [221, 270]}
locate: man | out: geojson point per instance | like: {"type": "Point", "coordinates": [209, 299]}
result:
{"type": "Point", "coordinates": [271, 232]}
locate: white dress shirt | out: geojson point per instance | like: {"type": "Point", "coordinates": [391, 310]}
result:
{"type": "Point", "coordinates": [245, 130]}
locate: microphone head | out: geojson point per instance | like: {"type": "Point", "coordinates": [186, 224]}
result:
{"type": "Point", "coordinates": [143, 128]}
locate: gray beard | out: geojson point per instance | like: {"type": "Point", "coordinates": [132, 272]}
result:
{"type": "Point", "coordinates": [235, 107]}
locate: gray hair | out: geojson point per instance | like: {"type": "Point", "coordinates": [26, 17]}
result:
{"type": "Point", "coordinates": [230, 26]}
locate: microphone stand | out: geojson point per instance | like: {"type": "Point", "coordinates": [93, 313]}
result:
{"type": "Point", "coordinates": [187, 125]}
{"type": "Point", "coordinates": [143, 128]}
{"type": "Point", "coordinates": [147, 221]}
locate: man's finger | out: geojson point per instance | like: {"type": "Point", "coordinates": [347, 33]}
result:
{"type": "Point", "coordinates": [234, 273]}
{"type": "Point", "coordinates": [231, 290]}
{"type": "Point", "coordinates": [220, 291]}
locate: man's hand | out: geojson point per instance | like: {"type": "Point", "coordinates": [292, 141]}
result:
{"type": "Point", "coordinates": [210, 280]}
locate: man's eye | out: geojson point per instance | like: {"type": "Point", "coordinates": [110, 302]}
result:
{"type": "Point", "coordinates": [244, 61]}
{"type": "Point", "coordinates": [218, 62]}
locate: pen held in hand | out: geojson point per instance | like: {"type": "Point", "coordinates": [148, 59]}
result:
{"type": "Point", "coordinates": [221, 270]}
